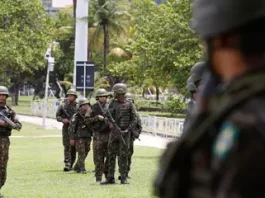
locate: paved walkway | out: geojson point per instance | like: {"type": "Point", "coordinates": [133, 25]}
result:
{"type": "Point", "coordinates": [146, 140]}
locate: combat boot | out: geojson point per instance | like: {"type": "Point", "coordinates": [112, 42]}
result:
{"type": "Point", "coordinates": [98, 179]}
{"type": "Point", "coordinates": [124, 180]}
{"type": "Point", "coordinates": [67, 168]}
{"type": "Point", "coordinates": [108, 181]}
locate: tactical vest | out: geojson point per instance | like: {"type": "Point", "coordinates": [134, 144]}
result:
{"type": "Point", "coordinates": [100, 126]}
{"type": "Point", "coordinates": [123, 114]}
{"type": "Point", "coordinates": [71, 109]}
{"type": "Point", "coordinates": [6, 131]}
{"type": "Point", "coordinates": [82, 130]}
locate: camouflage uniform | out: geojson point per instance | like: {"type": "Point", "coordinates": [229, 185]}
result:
{"type": "Point", "coordinates": [137, 130]}
{"type": "Point", "coordinates": [222, 152]}
{"type": "Point", "coordinates": [82, 134]}
{"type": "Point", "coordinates": [124, 115]}
{"type": "Point", "coordinates": [101, 132]}
{"type": "Point", "coordinates": [69, 151]}
{"type": "Point", "coordinates": [5, 132]}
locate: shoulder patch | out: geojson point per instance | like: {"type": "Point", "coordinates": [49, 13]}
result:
{"type": "Point", "coordinates": [226, 139]}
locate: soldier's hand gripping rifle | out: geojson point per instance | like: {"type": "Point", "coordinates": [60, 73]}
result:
{"type": "Point", "coordinates": [110, 119]}
{"type": "Point", "coordinates": [8, 121]}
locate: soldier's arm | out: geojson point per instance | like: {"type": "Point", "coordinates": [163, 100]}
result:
{"type": "Point", "coordinates": [90, 117]}
{"type": "Point", "coordinates": [59, 117]}
{"type": "Point", "coordinates": [139, 123]}
{"type": "Point", "coordinates": [14, 118]}
{"type": "Point", "coordinates": [72, 127]}
{"type": "Point", "coordinates": [133, 120]}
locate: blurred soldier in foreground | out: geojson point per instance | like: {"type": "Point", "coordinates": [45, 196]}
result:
{"type": "Point", "coordinates": [96, 118]}
{"type": "Point", "coordinates": [193, 85]}
{"type": "Point", "coordinates": [222, 152]}
{"type": "Point", "coordinates": [81, 135]}
{"type": "Point", "coordinates": [122, 117]}
{"type": "Point", "coordinates": [8, 121]}
{"type": "Point", "coordinates": [64, 114]}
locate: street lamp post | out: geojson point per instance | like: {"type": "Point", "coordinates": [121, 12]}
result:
{"type": "Point", "coordinates": [49, 68]}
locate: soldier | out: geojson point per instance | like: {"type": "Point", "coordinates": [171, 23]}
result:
{"type": "Point", "coordinates": [124, 115]}
{"type": "Point", "coordinates": [101, 131]}
{"type": "Point", "coordinates": [193, 85]}
{"type": "Point", "coordinates": [5, 132]}
{"type": "Point", "coordinates": [134, 135]}
{"type": "Point", "coordinates": [81, 135]}
{"type": "Point", "coordinates": [222, 155]}
{"type": "Point", "coordinates": [64, 114]}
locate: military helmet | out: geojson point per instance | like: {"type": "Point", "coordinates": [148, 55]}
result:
{"type": "Point", "coordinates": [197, 71]}
{"type": "Point", "coordinates": [215, 17]}
{"type": "Point", "coordinates": [111, 94]}
{"type": "Point", "coordinates": [83, 101]}
{"type": "Point", "coordinates": [4, 91]}
{"type": "Point", "coordinates": [190, 85]}
{"type": "Point", "coordinates": [120, 88]}
{"type": "Point", "coordinates": [129, 96]}
{"type": "Point", "coordinates": [71, 92]}
{"type": "Point", "coordinates": [101, 92]}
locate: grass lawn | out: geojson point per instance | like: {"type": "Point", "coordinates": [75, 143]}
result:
{"type": "Point", "coordinates": [35, 170]}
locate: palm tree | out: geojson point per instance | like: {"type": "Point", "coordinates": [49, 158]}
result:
{"type": "Point", "coordinates": [110, 18]}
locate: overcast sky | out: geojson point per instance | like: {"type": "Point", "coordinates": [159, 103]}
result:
{"type": "Point", "coordinates": [61, 3]}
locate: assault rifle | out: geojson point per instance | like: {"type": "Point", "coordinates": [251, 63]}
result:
{"type": "Point", "coordinates": [8, 121]}
{"type": "Point", "coordinates": [66, 114]}
{"type": "Point", "coordinates": [110, 119]}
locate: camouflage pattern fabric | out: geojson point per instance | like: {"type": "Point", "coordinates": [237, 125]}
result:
{"type": "Point", "coordinates": [124, 114]}
{"type": "Point", "coordinates": [69, 151]}
{"type": "Point", "coordinates": [4, 151]}
{"type": "Point", "coordinates": [101, 132]}
{"type": "Point", "coordinates": [115, 148]}
{"type": "Point", "coordinates": [82, 148]}
{"type": "Point", "coordinates": [225, 158]}
{"type": "Point", "coordinates": [125, 117]}
{"type": "Point", "coordinates": [5, 132]}
{"type": "Point", "coordinates": [100, 151]}
{"type": "Point", "coordinates": [78, 128]}
{"type": "Point", "coordinates": [82, 134]}
{"type": "Point", "coordinates": [138, 130]}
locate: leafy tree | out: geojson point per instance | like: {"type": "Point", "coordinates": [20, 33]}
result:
{"type": "Point", "coordinates": [110, 17]}
{"type": "Point", "coordinates": [25, 31]}
{"type": "Point", "coordinates": [164, 42]}
{"type": "Point", "coordinates": [64, 35]}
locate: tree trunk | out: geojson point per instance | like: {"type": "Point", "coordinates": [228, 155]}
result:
{"type": "Point", "coordinates": [157, 94]}
{"type": "Point", "coordinates": [74, 7]}
{"type": "Point", "coordinates": [105, 48]}
{"type": "Point", "coordinates": [143, 92]}
{"type": "Point", "coordinates": [17, 95]}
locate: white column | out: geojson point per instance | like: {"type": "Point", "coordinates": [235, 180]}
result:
{"type": "Point", "coordinates": [81, 34]}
